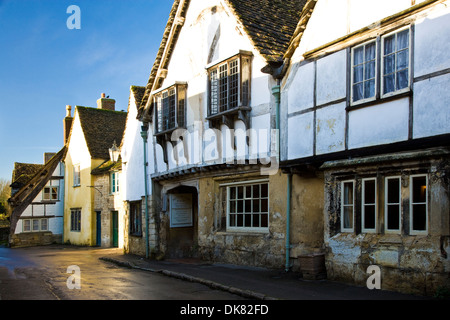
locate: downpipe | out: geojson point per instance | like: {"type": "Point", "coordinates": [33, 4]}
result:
{"type": "Point", "coordinates": [144, 135]}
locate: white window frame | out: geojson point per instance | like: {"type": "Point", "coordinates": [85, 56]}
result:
{"type": "Point", "coordinates": [386, 204]}
{"type": "Point", "coordinates": [364, 204]}
{"type": "Point", "coordinates": [363, 100]}
{"type": "Point", "coordinates": [243, 228]}
{"type": "Point", "coordinates": [50, 193]}
{"type": "Point", "coordinates": [411, 205]}
{"type": "Point", "coordinates": [76, 175]}
{"type": "Point", "coordinates": [352, 229]}
{"type": "Point", "coordinates": [26, 228]}
{"type": "Point", "coordinates": [31, 227]}
{"type": "Point", "coordinates": [115, 182]}
{"type": "Point", "coordinates": [408, 87]}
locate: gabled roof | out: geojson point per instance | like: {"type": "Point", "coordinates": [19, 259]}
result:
{"type": "Point", "coordinates": [23, 172]}
{"type": "Point", "coordinates": [270, 25]}
{"type": "Point", "coordinates": [25, 195]}
{"type": "Point", "coordinates": [101, 128]}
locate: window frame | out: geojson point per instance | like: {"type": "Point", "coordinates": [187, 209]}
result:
{"type": "Point", "coordinates": [76, 175]}
{"type": "Point", "coordinates": [412, 203]}
{"type": "Point", "coordinates": [381, 58]}
{"type": "Point", "coordinates": [343, 229]}
{"type": "Point", "coordinates": [387, 204]}
{"type": "Point", "coordinates": [31, 225]}
{"type": "Point", "coordinates": [251, 228]}
{"type": "Point", "coordinates": [133, 218]}
{"type": "Point", "coordinates": [50, 193]}
{"type": "Point", "coordinates": [175, 110]}
{"type": "Point", "coordinates": [114, 182]}
{"type": "Point", "coordinates": [244, 76]}
{"type": "Point", "coordinates": [352, 58]}
{"type": "Point", "coordinates": [75, 220]}
{"type": "Point", "coordinates": [363, 206]}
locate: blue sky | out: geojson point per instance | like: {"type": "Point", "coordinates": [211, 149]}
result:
{"type": "Point", "coordinates": [45, 66]}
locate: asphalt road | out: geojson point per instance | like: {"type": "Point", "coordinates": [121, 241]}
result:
{"type": "Point", "coordinates": [51, 273]}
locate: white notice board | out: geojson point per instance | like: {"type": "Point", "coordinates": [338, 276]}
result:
{"type": "Point", "coordinates": [181, 210]}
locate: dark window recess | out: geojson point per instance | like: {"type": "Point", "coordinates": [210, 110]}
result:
{"type": "Point", "coordinates": [135, 219]}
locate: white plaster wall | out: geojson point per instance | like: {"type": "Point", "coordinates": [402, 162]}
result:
{"type": "Point", "coordinates": [300, 90]}
{"type": "Point", "coordinates": [432, 41]}
{"type": "Point", "coordinates": [191, 56]}
{"type": "Point", "coordinates": [55, 224]}
{"type": "Point", "coordinates": [132, 153]}
{"type": "Point", "coordinates": [379, 124]}
{"type": "Point", "coordinates": [330, 129]}
{"type": "Point", "coordinates": [431, 112]}
{"type": "Point", "coordinates": [332, 19]}
{"type": "Point", "coordinates": [300, 132]}
{"type": "Point", "coordinates": [331, 77]}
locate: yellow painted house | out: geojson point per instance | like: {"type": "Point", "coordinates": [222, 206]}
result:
{"type": "Point", "coordinates": [88, 136]}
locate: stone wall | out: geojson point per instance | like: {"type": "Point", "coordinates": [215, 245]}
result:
{"type": "Point", "coordinates": [409, 262]}
{"type": "Point", "coordinates": [35, 239]}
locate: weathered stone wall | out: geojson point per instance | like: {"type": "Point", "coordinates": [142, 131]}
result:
{"type": "Point", "coordinates": [30, 239]}
{"type": "Point", "coordinates": [411, 263]}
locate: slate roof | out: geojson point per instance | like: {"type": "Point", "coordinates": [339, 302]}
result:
{"type": "Point", "coordinates": [269, 23]}
{"type": "Point", "coordinates": [101, 128]}
{"type": "Point", "coordinates": [23, 172]}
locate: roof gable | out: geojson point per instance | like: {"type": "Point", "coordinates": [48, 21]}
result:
{"type": "Point", "coordinates": [269, 24]}
{"type": "Point", "coordinates": [101, 128]}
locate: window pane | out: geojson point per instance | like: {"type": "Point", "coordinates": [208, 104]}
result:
{"type": "Point", "coordinates": [240, 206]}
{"type": "Point", "coordinates": [358, 74]}
{"type": "Point", "coordinates": [402, 79]}
{"type": "Point", "coordinates": [264, 221]}
{"type": "Point", "coordinates": [256, 191]}
{"type": "Point", "coordinates": [369, 89]}
{"type": "Point", "coordinates": [388, 83]}
{"type": "Point", "coordinates": [389, 44]}
{"type": "Point", "coordinates": [403, 39]}
{"type": "Point", "coordinates": [44, 224]}
{"type": "Point", "coordinates": [393, 215]}
{"type": "Point", "coordinates": [358, 92]}
{"type": "Point", "coordinates": [234, 84]}
{"type": "Point", "coordinates": [370, 51]}
{"type": "Point", "coordinates": [223, 87]}
{"type": "Point", "coordinates": [240, 192]}
{"type": "Point", "coordinates": [256, 207]}
{"type": "Point", "coordinates": [393, 190]}
{"type": "Point", "coordinates": [264, 205]}
{"type": "Point", "coordinates": [248, 205]}
{"type": "Point", "coordinates": [419, 189]}
{"type": "Point", "coordinates": [247, 220]}
{"type": "Point", "coordinates": [348, 193]}
{"type": "Point", "coordinates": [264, 190]}
{"type": "Point", "coordinates": [240, 220]}
{"type": "Point", "coordinates": [369, 217]}
{"type": "Point", "coordinates": [232, 192]}
{"type": "Point", "coordinates": [232, 220]}
{"type": "Point", "coordinates": [419, 217]}
{"type": "Point", "coordinates": [26, 225]}
{"type": "Point", "coordinates": [348, 217]}
{"type": "Point", "coordinates": [232, 206]}
{"type": "Point", "coordinates": [35, 225]}
{"type": "Point", "coordinates": [369, 72]}
{"type": "Point", "coordinates": [369, 192]}
{"type": "Point", "coordinates": [402, 59]}
{"type": "Point", "coordinates": [358, 56]}
{"type": "Point", "coordinates": [256, 221]}
{"type": "Point", "coordinates": [389, 64]}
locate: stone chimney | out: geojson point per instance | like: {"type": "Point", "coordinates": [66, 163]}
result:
{"type": "Point", "coordinates": [106, 103]}
{"type": "Point", "coordinates": [67, 123]}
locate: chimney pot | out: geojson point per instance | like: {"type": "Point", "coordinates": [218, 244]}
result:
{"type": "Point", "coordinates": [103, 95]}
{"type": "Point", "coordinates": [68, 111]}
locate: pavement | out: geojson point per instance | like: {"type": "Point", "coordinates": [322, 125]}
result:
{"type": "Point", "coordinates": [253, 282]}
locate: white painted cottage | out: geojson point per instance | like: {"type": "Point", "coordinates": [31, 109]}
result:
{"type": "Point", "coordinates": [365, 111]}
